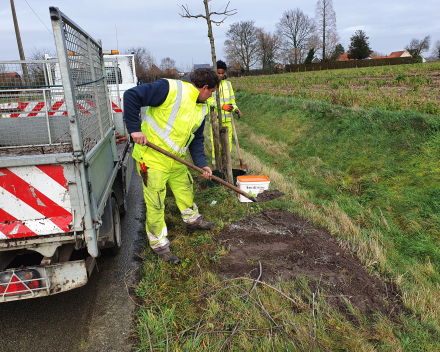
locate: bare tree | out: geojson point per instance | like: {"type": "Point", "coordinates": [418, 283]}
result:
{"type": "Point", "coordinates": [296, 28]}
{"type": "Point", "coordinates": [268, 46]}
{"type": "Point", "coordinates": [143, 60]}
{"type": "Point", "coordinates": [376, 53]}
{"type": "Point", "coordinates": [436, 49]}
{"type": "Point", "coordinates": [36, 71]}
{"type": "Point", "coordinates": [325, 18]}
{"type": "Point", "coordinates": [216, 123]}
{"type": "Point", "coordinates": [242, 44]}
{"type": "Point", "coordinates": [167, 64]}
{"type": "Point", "coordinates": [416, 46]}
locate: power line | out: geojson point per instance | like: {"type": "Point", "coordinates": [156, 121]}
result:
{"type": "Point", "coordinates": [39, 18]}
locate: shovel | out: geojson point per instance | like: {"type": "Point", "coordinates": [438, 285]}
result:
{"type": "Point", "coordinates": [263, 198]}
{"type": "Point", "coordinates": [242, 166]}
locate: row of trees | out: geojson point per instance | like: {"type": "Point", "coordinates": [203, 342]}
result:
{"type": "Point", "coordinates": [296, 35]}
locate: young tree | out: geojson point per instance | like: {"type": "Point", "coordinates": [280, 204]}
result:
{"type": "Point", "coordinates": [143, 60]}
{"type": "Point", "coordinates": [216, 123]}
{"type": "Point", "coordinates": [325, 19]}
{"type": "Point", "coordinates": [416, 46]}
{"type": "Point", "coordinates": [242, 44]}
{"type": "Point", "coordinates": [296, 28]}
{"type": "Point", "coordinates": [359, 46]}
{"type": "Point", "coordinates": [339, 50]}
{"type": "Point", "coordinates": [268, 46]}
{"type": "Point", "coordinates": [167, 64]}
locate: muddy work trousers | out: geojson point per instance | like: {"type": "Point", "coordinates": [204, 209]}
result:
{"type": "Point", "coordinates": [231, 133]}
{"type": "Point", "coordinates": [154, 189]}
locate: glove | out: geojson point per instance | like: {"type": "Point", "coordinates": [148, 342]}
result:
{"type": "Point", "coordinates": [227, 107]}
{"type": "Point", "coordinates": [238, 112]}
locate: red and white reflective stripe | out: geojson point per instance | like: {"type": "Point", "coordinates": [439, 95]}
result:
{"type": "Point", "coordinates": [116, 108]}
{"type": "Point", "coordinates": [35, 108]}
{"type": "Point", "coordinates": [34, 201]}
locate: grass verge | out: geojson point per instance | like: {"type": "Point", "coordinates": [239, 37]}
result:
{"type": "Point", "coordinates": [370, 177]}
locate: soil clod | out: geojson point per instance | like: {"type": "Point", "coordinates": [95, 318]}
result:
{"type": "Point", "coordinates": [267, 195]}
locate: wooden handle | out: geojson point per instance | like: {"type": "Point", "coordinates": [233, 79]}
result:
{"type": "Point", "coordinates": [201, 171]}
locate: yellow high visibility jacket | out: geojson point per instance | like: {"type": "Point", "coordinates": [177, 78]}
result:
{"type": "Point", "coordinates": [226, 97]}
{"type": "Point", "coordinates": [171, 125]}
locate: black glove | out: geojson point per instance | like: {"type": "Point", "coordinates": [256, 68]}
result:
{"type": "Point", "coordinates": [238, 112]}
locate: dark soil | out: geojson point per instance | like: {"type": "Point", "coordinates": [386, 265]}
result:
{"type": "Point", "coordinates": [267, 195]}
{"type": "Point", "coordinates": [289, 247]}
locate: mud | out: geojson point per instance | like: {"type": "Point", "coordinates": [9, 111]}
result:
{"type": "Point", "coordinates": [289, 247]}
{"type": "Point", "coordinates": [267, 195]}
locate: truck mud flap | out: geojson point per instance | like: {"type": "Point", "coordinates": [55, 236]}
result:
{"type": "Point", "coordinates": [52, 279]}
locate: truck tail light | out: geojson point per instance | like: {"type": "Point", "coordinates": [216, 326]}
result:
{"type": "Point", "coordinates": [19, 282]}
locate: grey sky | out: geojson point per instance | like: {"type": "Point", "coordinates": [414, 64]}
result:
{"type": "Point", "coordinates": [390, 24]}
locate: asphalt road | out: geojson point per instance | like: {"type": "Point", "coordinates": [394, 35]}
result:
{"type": "Point", "coordinates": [96, 317]}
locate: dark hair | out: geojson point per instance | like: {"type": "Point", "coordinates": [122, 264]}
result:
{"type": "Point", "coordinates": [205, 76]}
{"type": "Point", "coordinates": [221, 64]}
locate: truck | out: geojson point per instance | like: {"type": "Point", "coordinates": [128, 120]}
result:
{"type": "Point", "coordinates": [63, 177]}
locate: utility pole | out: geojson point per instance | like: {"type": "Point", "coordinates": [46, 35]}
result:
{"type": "Point", "coordinates": [20, 45]}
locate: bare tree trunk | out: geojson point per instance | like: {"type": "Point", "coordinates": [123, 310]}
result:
{"type": "Point", "coordinates": [224, 138]}
{"type": "Point", "coordinates": [215, 121]}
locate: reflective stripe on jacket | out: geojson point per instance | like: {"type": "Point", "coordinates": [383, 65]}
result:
{"type": "Point", "coordinates": [226, 97]}
{"type": "Point", "coordinates": [171, 125]}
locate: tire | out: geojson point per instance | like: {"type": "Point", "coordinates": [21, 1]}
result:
{"type": "Point", "coordinates": [117, 231]}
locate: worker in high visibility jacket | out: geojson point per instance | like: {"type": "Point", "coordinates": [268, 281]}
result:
{"type": "Point", "coordinates": [174, 120]}
{"type": "Point", "coordinates": [227, 102]}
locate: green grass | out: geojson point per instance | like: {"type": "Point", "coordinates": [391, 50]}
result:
{"type": "Point", "coordinates": [370, 176]}
{"type": "Point", "coordinates": [394, 88]}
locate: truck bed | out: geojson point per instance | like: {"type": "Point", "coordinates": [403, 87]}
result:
{"type": "Point", "coordinates": [48, 149]}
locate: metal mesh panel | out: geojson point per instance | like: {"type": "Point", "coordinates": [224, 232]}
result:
{"type": "Point", "coordinates": [32, 105]}
{"type": "Point", "coordinates": [89, 86]}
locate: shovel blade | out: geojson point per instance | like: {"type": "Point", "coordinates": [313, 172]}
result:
{"type": "Point", "coordinates": [267, 195]}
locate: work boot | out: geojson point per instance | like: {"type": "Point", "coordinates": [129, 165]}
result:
{"type": "Point", "coordinates": [199, 224]}
{"type": "Point", "coordinates": [169, 257]}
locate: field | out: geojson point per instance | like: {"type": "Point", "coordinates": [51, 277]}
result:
{"type": "Point", "coordinates": [393, 88]}
{"type": "Point", "coordinates": [348, 260]}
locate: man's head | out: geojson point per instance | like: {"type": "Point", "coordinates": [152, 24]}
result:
{"type": "Point", "coordinates": [206, 82]}
{"type": "Point", "coordinates": [221, 69]}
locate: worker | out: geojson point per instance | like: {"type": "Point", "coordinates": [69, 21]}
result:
{"type": "Point", "coordinates": [175, 121]}
{"type": "Point", "coordinates": [227, 102]}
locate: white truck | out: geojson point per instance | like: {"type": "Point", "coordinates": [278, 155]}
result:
{"type": "Point", "coordinates": [63, 178]}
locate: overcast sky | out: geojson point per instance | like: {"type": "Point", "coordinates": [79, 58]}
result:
{"type": "Point", "coordinates": [156, 25]}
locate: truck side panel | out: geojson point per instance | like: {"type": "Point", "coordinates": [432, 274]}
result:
{"type": "Point", "coordinates": [34, 201]}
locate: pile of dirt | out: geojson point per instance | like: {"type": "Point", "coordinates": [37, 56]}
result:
{"type": "Point", "coordinates": [289, 247]}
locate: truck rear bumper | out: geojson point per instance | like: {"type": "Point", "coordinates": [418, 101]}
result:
{"type": "Point", "coordinates": [53, 279]}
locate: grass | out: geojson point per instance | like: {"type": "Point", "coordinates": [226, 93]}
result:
{"type": "Point", "coordinates": [370, 176]}
{"type": "Point", "coordinates": [394, 88]}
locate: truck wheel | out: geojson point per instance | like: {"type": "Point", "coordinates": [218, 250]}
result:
{"type": "Point", "coordinates": [117, 232]}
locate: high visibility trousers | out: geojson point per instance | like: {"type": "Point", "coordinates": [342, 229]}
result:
{"type": "Point", "coordinates": [181, 184]}
{"type": "Point", "coordinates": [231, 133]}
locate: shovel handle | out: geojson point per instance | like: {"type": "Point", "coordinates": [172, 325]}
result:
{"type": "Point", "coordinates": [201, 171]}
